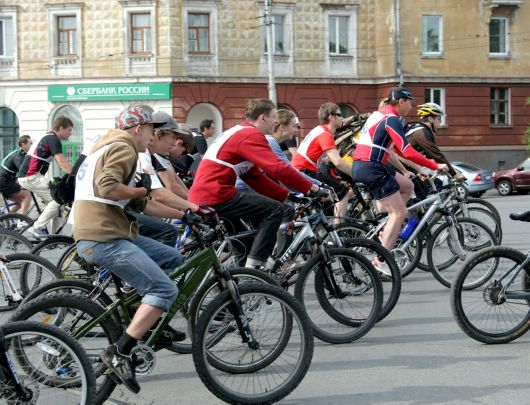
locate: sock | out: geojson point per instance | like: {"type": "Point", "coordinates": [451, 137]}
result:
{"type": "Point", "coordinates": [126, 343]}
{"type": "Point", "coordinates": [253, 263]}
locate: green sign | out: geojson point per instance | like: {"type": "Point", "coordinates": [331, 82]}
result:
{"type": "Point", "coordinates": [108, 92]}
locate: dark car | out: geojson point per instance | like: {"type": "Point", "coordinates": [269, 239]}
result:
{"type": "Point", "coordinates": [516, 179]}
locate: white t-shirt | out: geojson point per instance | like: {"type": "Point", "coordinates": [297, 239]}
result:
{"type": "Point", "coordinates": [145, 166]}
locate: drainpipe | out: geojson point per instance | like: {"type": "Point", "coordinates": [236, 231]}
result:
{"type": "Point", "coordinates": [399, 72]}
{"type": "Point", "coordinates": [270, 48]}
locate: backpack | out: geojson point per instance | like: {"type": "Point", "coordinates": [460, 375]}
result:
{"type": "Point", "coordinates": [346, 137]}
{"type": "Point", "coordinates": [62, 189]}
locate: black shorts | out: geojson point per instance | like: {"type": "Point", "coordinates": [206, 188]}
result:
{"type": "Point", "coordinates": [380, 180]}
{"type": "Point", "coordinates": [9, 189]}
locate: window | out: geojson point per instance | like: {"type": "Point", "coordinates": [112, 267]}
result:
{"type": "Point", "coordinates": [278, 34]}
{"type": "Point", "coordinates": [498, 30]}
{"type": "Point", "coordinates": [346, 110]}
{"type": "Point", "coordinates": [338, 34]}
{"type": "Point", "coordinates": [199, 33]}
{"type": "Point", "coordinates": [432, 34]}
{"type": "Point", "coordinates": [141, 33]}
{"type": "Point", "coordinates": [8, 131]}
{"type": "Point", "coordinates": [433, 95]}
{"type": "Point", "coordinates": [6, 37]}
{"type": "Point", "coordinates": [67, 35]}
{"type": "Point", "coordinates": [499, 105]}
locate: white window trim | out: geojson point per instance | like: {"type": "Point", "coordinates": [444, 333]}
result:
{"type": "Point", "coordinates": [441, 104]}
{"type": "Point", "coordinates": [143, 7]}
{"type": "Point", "coordinates": [58, 10]}
{"type": "Point", "coordinates": [350, 11]}
{"type": "Point", "coordinates": [285, 10]}
{"type": "Point", "coordinates": [506, 38]}
{"type": "Point", "coordinates": [440, 35]}
{"type": "Point", "coordinates": [509, 110]}
{"type": "Point", "coordinates": [10, 12]}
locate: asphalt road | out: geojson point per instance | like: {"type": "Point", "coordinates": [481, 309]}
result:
{"type": "Point", "coordinates": [417, 355]}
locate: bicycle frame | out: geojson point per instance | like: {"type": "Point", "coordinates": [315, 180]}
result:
{"type": "Point", "coordinates": [515, 270]}
{"type": "Point", "coordinates": [14, 295]}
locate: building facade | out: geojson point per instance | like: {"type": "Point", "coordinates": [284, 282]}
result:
{"type": "Point", "coordinates": [204, 58]}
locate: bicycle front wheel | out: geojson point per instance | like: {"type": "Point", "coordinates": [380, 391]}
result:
{"type": "Point", "coordinates": [487, 304]}
{"type": "Point", "coordinates": [259, 373]}
{"type": "Point", "coordinates": [49, 363]}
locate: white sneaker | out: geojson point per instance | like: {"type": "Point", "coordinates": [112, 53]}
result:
{"type": "Point", "coordinates": [21, 224]}
{"type": "Point", "coordinates": [37, 233]}
{"type": "Point", "coordinates": [381, 267]}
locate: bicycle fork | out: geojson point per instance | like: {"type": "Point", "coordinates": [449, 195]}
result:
{"type": "Point", "coordinates": [14, 296]}
{"type": "Point", "coordinates": [8, 374]}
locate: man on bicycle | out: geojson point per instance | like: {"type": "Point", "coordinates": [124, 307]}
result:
{"type": "Point", "coordinates": [381, 134]}
{"type": "Point", "coordinates": [107, 237]}
{"type": "Point", "coordinates": [244, 151]}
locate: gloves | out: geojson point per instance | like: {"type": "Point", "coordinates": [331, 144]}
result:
{"type": "Point", "coordinates": [144, 180]}
{"type": "Point", "coordinates": [190, 218]}
{"type": "Point", "coordinates": [294, 197]}
{"type": "Point", "coordinates": [206, 212]}
{"type": "Point", "coordinates": [322, 192]}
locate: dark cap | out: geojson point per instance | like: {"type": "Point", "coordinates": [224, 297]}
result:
{"type": "Point", "coordinates": [135, 115]}
{"type": "Point", "coordinates": [400, 92]}
{"type": "Point", "coordinates": [170, 123]}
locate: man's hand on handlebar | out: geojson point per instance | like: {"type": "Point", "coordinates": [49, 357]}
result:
{"type": "Point", "coordinates": [442, 167]}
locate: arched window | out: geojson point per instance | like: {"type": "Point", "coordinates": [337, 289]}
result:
{"type": "Point", "coordinates": [74, 146]}
{"type": "Point", "coordinates": [347, 110]}
{"type": "Point", "coordinates": [8, 131]}
{"type": "Point", "coordinates": [203, 111]}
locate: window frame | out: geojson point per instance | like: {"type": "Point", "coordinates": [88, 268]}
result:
{"type": "Point", "coordinates": [64, 10]}
{"type": "Point", "coordinates": [430, 97]}
{"type": "Point", "coordinates": [337, 34]}
{"type": "Point", "coordinates": [9, 51]}
{"type": "Point", "coordinates": [72, 42]}
{"type": "Point", "coordinates": [494, 102]}
{"type": "Point", "coordinates": [283, 31]}
{"type": "Point", "coordinates": [424, 51]}
{"type": "Point", "coordinates": [197, 30]}
{"type": "Point", "coordinates": [505, 36]}
{"type": "Point", "coordinates": [146, 38]}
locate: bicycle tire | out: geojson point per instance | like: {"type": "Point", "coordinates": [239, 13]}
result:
{"type": "Point", "coordinates": [71, 265]}
{"type": "Point", "coordinates": [469, 230]}
{"type": "Point", "coordinates": [13, 242]}
{"type": "Point", "coordinates": [485, 216]}
{"type": "Point", "coordinates": [197, 302]}
{"type": "Point", "coordinates": [52, 247]}
{"type": "Point", "coordinates": [486, 205]}
{"type": "Point", "coordinates": [9, 222]}
{"type": "Point", "coordinates": [371, 249]}
{"type": "Point", "coordinates": [329, 324]}
{"type": "Point", "coordinates": [41, 308]}
{"type": "Point", "coordinates": [293, 368]}
{"type": "Point", "coordinates": [487, 310]}
{"type": "Point", "coordinates": [33, 270]}
{"type": "Point", "coordinates": [56, 352]}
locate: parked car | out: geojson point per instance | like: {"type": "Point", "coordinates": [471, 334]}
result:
{"type": "Point", "coordinates": [478, 180]}
{"type": "Point", "coordinates": [516, 179]}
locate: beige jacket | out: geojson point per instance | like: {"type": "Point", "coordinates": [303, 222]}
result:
{"type": "Point", "coordinates": [105, 222]}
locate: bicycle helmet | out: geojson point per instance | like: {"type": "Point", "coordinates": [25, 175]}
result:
{"type": "Point", "coordinates": [427, 109]}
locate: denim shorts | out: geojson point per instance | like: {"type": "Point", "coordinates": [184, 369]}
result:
{"type": "Point", "coordinates": [380, 179]}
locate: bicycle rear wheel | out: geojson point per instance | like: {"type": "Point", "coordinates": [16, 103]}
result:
{"type": "Point", "coordinates": [13, 242]}
{"type": "Point", "coordinates": [48, 362]}
{"type": "Point", "coordinates": [480, 296]}
{"type": "Point", "coordinates": [259, 373]}
{"type": "Point", "coordinates": [53, 247]}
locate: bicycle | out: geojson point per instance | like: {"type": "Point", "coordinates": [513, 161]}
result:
{"type": "Point", "coordinates": [240, 318]}
{"type": "Point", "coordinates": [42, 364]}
{"type": "Point", "coordinates": [490, 296]}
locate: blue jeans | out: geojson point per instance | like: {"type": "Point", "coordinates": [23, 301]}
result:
{"type": "Point", "coordinates": [142, 263]}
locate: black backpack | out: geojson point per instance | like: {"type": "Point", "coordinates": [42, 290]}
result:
{"type": "Point", "coordinates": [62, 189]}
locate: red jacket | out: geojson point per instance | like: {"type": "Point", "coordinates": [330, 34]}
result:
{"type": "Point", "coordinates": [214, 182]}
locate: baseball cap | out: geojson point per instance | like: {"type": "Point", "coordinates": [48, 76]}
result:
{"type": "Point", "coordinates": [133, 116]}
{"type": "Point", "coordinates": [170, 123]}
{"type": "Point", "coordinates": [400, 92]}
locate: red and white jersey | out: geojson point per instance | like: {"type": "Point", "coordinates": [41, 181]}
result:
{"type": "Point", "coordinates": [242, 151]}
{"type": "Point", "coordinates": [318, 141]}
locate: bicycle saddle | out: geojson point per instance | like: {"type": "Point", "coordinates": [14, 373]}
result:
{"type": "Point", "coordinates": [520, 216]}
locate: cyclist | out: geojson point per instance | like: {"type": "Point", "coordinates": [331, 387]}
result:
{"type": "Point", "coordinates": [108, 237]}
{"type": "Point", "coordinates": [318, 142]}
{"type": "Point", "coordinates": [36, 164]}
{"type": "Point", "coordinates": [244, 151]}
{"type": "Point", "coordinates": [382, 134]}
{"type": "Point", "coordinates": [9, 168]}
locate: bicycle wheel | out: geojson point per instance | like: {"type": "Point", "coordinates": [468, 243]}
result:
{"type": "Point", "coordinates": [392, 288]}
{"type": "Point", "coordinates": [53, 247]}
{"type": "Point", "coordinates": [342, 295]}
{"type": "Point", "coordinates": [209, 290]}
{"type": "Point", "coordinates": [451, 245]}
{"type": "Point", "coordinates": [71, 312]}
{"type": "Point", "coordinates": [352, 229]}
{"type": "Point", "coordinates": [15, 222]}
{"type": "Point", "coordinates": [71, 265]}
{"type": "Point", "coordinates": [48, 362]}
{"type": "Point", "coordinates": [486, 312]}
{"type": "Point", "coordinates": [33, 271]}
{"type": "Point", "coordinates": [13, 242]}
{"type": "Point", "coordinates": [267, 308]}
{"type": "Point", "coordinates": [486, 217]}
{"type": "Point", "coordinates": [484, 204]}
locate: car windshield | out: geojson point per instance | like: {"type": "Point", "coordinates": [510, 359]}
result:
{"type": "Point", "coordinates": [467, 166]}
{"type": "Point", "coordinates": [526, 164]}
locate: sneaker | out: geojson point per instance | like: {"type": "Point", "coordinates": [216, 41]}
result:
{"type": "Point", "coordinates": [381, 267]}
{"type": "Point", "coordinates": [122, 366]}
{"type": "Point", "coordinates": [21, 224]}
{"type": "Point", "coordinates": [166, 339]}
{"type": "Point", "coordinates": [37, 233]}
